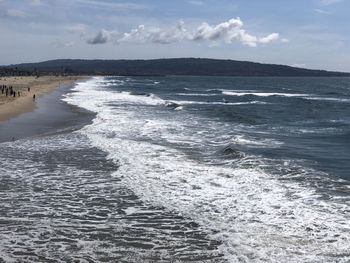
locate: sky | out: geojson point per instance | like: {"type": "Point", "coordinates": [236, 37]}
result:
{"type": "Point", "coordinates": [304, 33]}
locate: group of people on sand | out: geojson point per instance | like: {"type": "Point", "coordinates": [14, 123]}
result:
{"type": "Point", "coordinates": [8, 91]}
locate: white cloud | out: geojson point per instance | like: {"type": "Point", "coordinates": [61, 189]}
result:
{"type": "Point", "coordinates": [142, 34]}
{"type": "Point", "coordinates": [270, 38]}
{"type": "Point", "coordinates": [231, 31]}
{"type": "Point", "coordinates": [228, 32]}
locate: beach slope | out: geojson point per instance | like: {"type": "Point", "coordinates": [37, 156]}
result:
{"type": "Point", "coordinates": [12, 106]}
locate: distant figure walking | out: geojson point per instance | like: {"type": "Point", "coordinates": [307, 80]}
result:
{"type": "Point", "coordinates": [34, 97]}
{"type": "Point", "coordinates": [28, 89]}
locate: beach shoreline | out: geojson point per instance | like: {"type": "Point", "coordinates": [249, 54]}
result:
{"type": "Point", "coordinates": [26, 88]}
{"type": "Point", "coordinates": [50, 115]}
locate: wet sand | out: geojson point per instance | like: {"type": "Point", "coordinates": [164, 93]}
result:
{"type": "Point", "coordinates": [13, 106]}
{"type": "Point", "coordinates": [50, 115]}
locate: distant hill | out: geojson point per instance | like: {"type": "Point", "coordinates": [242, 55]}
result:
{"type": "Point", "coordinates": [161, 67]}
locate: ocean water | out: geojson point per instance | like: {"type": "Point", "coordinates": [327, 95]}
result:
{"type": "Point", "coordinates": [185, 169]}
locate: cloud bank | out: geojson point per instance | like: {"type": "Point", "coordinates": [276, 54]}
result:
{"type": "Point", "coordinates": [228, 32]}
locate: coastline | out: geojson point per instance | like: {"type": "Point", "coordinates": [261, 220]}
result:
{"type": "Point", "coordinates": [48, 114]}
{"type": "Point", "coordinates": [69, 194]}
{"type": "Point", "coordinates": [11, 107]}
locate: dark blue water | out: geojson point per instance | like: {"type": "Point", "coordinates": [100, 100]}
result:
{"type": "Point", "coordinates": [310, 117]}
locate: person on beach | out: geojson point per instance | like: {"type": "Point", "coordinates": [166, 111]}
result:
{"type": "Point", "coordinates": [34, 97]}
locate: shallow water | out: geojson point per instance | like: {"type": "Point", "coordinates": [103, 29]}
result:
{"type": "Point", "coordinates": [61, 203]}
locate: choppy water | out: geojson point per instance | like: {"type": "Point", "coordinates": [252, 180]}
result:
{"type": "Point", "coordinates": [61, 202]}
{"type": "Point", "coordinates": [184, 169]}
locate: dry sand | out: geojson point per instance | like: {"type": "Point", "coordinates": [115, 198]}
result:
{"type": "Point", "coordinates": [13, 106]}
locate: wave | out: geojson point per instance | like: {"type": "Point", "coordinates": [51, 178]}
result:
{"type": "Point", "coordinates": [328, 99]}
{"type": "Point", "coordinates": [254, 215]}
{"type": "Point", "coordinates": [261, 94]}
{"type": "Point", "coordinates": [98, 95]}
{"type": "Point", "coordinates": [229, 151]}
{"type": "Point", "coordinates": [196, 94]}
{"type": "Point", "coordinates": [214, 91]}
{"type": "Point", "coordinates": [278, 94]}
{"type": "Point", "coordinates": [255, 142]}
{"type": "Point", "coordinates": [241, 93]}
{"type": "Point", "coordinates": [189, 102]}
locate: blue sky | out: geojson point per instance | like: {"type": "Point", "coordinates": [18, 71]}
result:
{"type": "Point", "coordinates": [305, 33]}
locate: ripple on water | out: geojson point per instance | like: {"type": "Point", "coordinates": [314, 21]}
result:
{"type": "Point", "coordinates": [59, 203]}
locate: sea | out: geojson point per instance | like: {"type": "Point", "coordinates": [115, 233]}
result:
{"type": "Point", "coordinates": [182, 169]}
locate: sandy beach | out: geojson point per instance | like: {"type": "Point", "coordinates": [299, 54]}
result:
{"type": "Point", "coordinates": [13, 106]}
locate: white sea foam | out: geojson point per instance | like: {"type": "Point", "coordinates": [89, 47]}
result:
{"type": "Point", "coordinates": [189, 102]}
{"type": "Point", "coordinates": [328, 99]}
{"type": "Point", "coordinates": [260, 94]}
{"type": "Point", "coordinates": [249, 141]}
{"type": "Point", "coordinates": [330, 130]}
{"type": "Point", "coordinates": [256, 216]}
{"type": "Point", "coordinates": [197, 94]}
{"type": "Point", "coordinates": [100, 97]}
{"type": "Point", "coordinates": [279, 94]}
